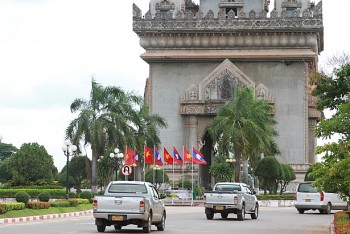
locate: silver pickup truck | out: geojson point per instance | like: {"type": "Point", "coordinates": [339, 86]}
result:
{"type": "Point", "coordinates": [129, 202]}
{"type": "Point", "coordinates": [229, 198]}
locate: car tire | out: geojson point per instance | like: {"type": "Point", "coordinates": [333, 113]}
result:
{"type": "Point", "coordinates": [224, 215]}
{"type": "Point", "coordinates": [301, 211]}
{"type": "Point", "coordinates": [241, 213]}
{"type": "Point", "coordinates": [256, 212]}
{"type": "Point", "coordinates": [147, 228]}
{"type": "Point", "coordinates": [328, 208]}
{"type": "Point", "coordinates": [101, 228]}
{"type": "Point", "coordinates": [209, 213]}
{"type": "Point", "coordinates": [161, 225]}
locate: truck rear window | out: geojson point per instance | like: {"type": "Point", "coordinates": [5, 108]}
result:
{"type": "Point", "coordinates": [306, 188]}
{"type": "Point", "coordinates": [228, 187]}
{"type": "Point", "coordinates": [127, 188]}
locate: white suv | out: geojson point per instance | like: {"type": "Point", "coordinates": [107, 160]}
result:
{"type": "Point", "coordinates": [308, 198]}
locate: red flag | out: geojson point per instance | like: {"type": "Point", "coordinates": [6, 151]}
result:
{"type": "Point", "coordinates": [187, 156]}
{"type": "Point", "coordinates": [198, 157]}
{"type": "Point", "coordinates": [128, 156]}
{"type": "Point", "coordinates": [157, 157]}
{"type": "Point", "coordinates": [177, 158]}
{"type": "Point", "coordinates": [136, 157]}
{"type": "Point", "coordinates": [167, 157]}
{"type": "Point", "coordinates": [148, 155]}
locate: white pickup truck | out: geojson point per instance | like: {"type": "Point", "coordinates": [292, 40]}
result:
{"type": "Point", "coordinates": [229, 198]}
{"type": "Point", "coordinates": [129, 202]}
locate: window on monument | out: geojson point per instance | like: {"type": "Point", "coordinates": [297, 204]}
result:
{"type": "Point", "coordinates": [290, 11]}
{"type": "Point", "coordinates": [234, 9]}
{"type": "Point", "coordinates": [163, 14]}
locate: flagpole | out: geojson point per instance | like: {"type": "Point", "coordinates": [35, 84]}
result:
{"type": "Point", "coordinates": [154, 154]}
{"type": "Point", "coordinates": [192, 178]}
{"type": "Point", "coordinates": [144, 163]}
{"type": "Point", "coordinates": [172, 198]}
{"type": "Point", "coordinates": [182, 175]}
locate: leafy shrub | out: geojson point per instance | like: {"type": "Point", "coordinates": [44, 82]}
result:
{"type": "Point", "coordinates": [72, 195]}
{"type": "Point", "coordinates": [74, 202]}
{"type": "Point", "coordinates": [60, 203]}
{"type": "Point", "coordinates": [38, 205]}
{"type": "Point", "coordinates": [86, 195]}
{"type": "Point", "coordinates": [44, 197]}
{"type": "Point", "coordinates": [22, 197]}
{"type": "Point", "coordinates": [83, 201]}
{"type": "Point", "coordinates": [2, 209]}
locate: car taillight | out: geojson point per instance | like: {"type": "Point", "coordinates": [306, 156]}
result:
{"type": "Point", "coordinates": [95, 203]}
{"type": "Point", "coordinates": [142, 205]}
{"type": "Point", "coordinates": [295, 196]}
{"type": "Point", "coordinates": [235, 200]}
{"type": "Point", "coordinates": [321, 196]}
{"type": "Point", "coordinates": [205, 197]}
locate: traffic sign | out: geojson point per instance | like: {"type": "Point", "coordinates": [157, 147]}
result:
{"type": "Point", "coordinates": [126, 170]}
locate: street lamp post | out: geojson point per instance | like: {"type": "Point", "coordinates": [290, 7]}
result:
{"type": "Point", "coordinates": [231, 160]}
{"type": "Point", "coordinates": [68, 149]}
{"type": "Point", "coordinates": [119, 156]}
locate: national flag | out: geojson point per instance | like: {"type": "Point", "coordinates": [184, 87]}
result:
{"type": "Point", "coordinates": [148, 155]}
{"type": "Point", "coordinates": [167, 157]}
{"type": "Point", "coordinates": [198, 157]}
{"type": "Point", "coordinates": [177, 157]}
{"type": "Point", "coordinates": [128, 156]}
{"type": "Point", "coordinates": [136, 157]}
{"type": "Point", "coordinates": [157, 157]}
{"type": "Point", "coordinates": [187, 156]}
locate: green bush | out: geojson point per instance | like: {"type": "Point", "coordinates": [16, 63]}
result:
{"type": "Point", "coordinates": [54, 193]}
{"type": "Point", "coordinates": [2, 209]}
{"type": "Point", "coordinates": [60, 203]}
{"type": "Point", "coordinates": [72, 195]}
{"type": "Point", "coordinates": [22, 197]}
{"type": "Point", "coordinates": [86, 195]}
{"type": "Point", "coordinates": [74, 202]}
{"type": "Point", "coordinates": [44, 197]}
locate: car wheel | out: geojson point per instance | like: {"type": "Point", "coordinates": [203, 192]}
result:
{"type": "Point", "coordinates": [148, 224]}
{"type": "Point", "coordinates": [241, 214]}
{"type": "Point", "coordinates": [117, 227]}
{"type": "Point", "coordinates": [256, 212]}
{"type": "Point", "coordinates": [101, 228]}
{"type": "Point", "coordinates": [209, 213]}
{"type": "Point", "coordinates": [161, 225]}
{"type": "Point", "coordinates": [328, 209]}
{"type": "Point", "coordinates": [224, 215]}
{"type": "Point", "coordinates": [301, 211]}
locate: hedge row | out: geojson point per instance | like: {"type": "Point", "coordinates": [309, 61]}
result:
{"type": "Point", "coordinates": [34, 193]}
{"type": "Point", "coordinates": [275, 197]}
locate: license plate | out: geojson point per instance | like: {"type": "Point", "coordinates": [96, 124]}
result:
{"type": "Point", "coordinates": [219, 208]}
{"type": "Point", "coordinates": [117, 218]}
{"type": "Point", "coordinates": [307, 200]}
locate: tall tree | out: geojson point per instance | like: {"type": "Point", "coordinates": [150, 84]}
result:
{"type": "Point", "coordinates": [31, 163]}
{"type": "Point", "coordinates": [78, 170]}
{"type": "Point", "coordinates": [242, 126]}
{"type": "Point", "coordinates": [6, 150]}
{"type": "Point", "coordinates": [104, 121]}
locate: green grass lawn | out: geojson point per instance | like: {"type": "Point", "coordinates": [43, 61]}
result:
{"type": "Point", "coordinates": [52, 210]}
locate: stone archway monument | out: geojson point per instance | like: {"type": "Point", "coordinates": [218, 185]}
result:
{"type": "Point", "coordinates": [197, 54]}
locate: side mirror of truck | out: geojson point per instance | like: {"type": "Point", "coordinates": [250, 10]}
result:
{"type": "Point", "coordinates": [162, 196]}
{"type": "Point", "coordinates": [254, 192]}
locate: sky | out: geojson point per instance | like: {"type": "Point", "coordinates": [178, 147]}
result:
{"type": "Point", "coordinates": [51, 49]}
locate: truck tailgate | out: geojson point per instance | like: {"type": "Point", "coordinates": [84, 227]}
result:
{"type": "Point", "coordinates": [123, 204]}
{"type": "Point", "coordinates": [220, 198]}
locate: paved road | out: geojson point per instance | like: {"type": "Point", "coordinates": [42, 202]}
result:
{"type": "Point", "coordinates": [192, 220]}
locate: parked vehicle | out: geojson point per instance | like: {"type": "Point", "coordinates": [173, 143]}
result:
{"type": "Point", "coordinates": [228, 197]}
{"type": "Point", "coordinates": [308, 198]}
{"type": "Point", "coordinates": [129, 202]}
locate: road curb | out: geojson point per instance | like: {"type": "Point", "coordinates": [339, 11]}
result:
{"type": "Point", "coordinates": [44, 217]}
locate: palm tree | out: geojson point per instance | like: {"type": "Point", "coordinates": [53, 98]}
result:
{"type": "Point", "coordinates": [243, 126]}
{"type": "Point", "coordinates": [104, 121]}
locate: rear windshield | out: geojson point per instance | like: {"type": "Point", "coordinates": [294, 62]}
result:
{"type": "Point", "coordinates": [228, 187]}
{"type": "Point", "coordinates": [306, 188]}
{"type": "Point", "coordinates": [127, 188]}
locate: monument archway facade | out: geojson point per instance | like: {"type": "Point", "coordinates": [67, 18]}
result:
{"type": "Point", "coordinates": [199, 53]}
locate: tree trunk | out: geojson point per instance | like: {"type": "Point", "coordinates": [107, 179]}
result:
{"type": "Point", "coordinates": [238, 167]}
{"type": "Point", "coordinates": [94, 173]}
{"type": "Point", "coordinates": [245, 171]}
